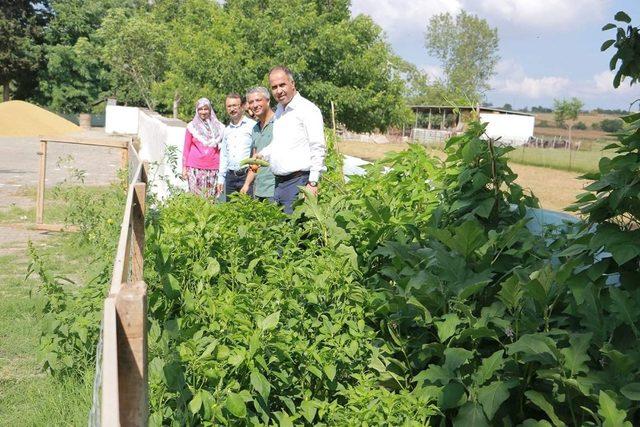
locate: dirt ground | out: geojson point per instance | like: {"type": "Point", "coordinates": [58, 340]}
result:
{"type": "Point", "coordinates": [19, 166]}
{"type": "Point", "coordinates": [556, 189]}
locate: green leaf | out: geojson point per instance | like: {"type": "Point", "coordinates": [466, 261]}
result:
{"type": "Point", "coordinates": [539, 400]}
{"type": "Point", "coordinates": [533, 347]}
{"type": "Point", "coordinates": [452, 396]}
{"type": "Point", "coordinates": [456, 357]}
{"type": "Point", "coordinates": [308, 410]}
{"type": "Point", "coordinates": [608, 27]}
{"type": "Point", "coordinates": [624, 306]}
{"type": "Point", "coordinates": [511, 293]}
{"type": "Point", "coordinates": [606, 45]}
{"type": "Point", "coordinates": [488, 367]}
{"type": "Point", "coordinates": [260, 384]}
{"type": "Point", "coordinates": [492, 396]}
{"type": "Point", "coordinates": [470, 414]}
{"type": "Point", "coordinates": [434, 374]}
{"type": "Point", "coordinates": [270, 322]}
{"type": "Point", "coordinates": [631, 391]}
{"type": "Point", "coordinates": [196, 403]}
{"type": "Point", "coordinates": [235, 405]}
{"type": "Point", "coordinates": [330, 370]}
{"type": "Point", "coordinates": [622, 17]}
{"type": "Point", "coordinates": [484, 208]}
{"type": "Point", "coordinates": [447, 327]}
{"type": "Point", "coordinates": [613, 417]}
{"type": "Point", "coordinates": [170, 286]}
{"type": "Point", "coordinates": [315, 371]}
{"type": "Point", "coordinates": [535, 423]}
{"type": "Point", "coordinates": [575, 356]}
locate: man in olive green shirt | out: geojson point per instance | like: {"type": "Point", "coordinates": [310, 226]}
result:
{"type": "Point", "coordinates": [263, 180]}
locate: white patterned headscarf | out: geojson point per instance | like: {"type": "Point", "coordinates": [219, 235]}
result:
{"type": "Point", "coordinates": [208, 132]}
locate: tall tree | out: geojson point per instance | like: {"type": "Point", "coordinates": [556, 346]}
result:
{"type": "Point", "coordinates": [467, 48]}
{"type": "Point", "coordinates": [135, 49]}
{"type": "Point", "coordinates": [21, 35]}
{"type": "Point", "coordinates": [75, 76]}
{"type": "Point", "coordinates": [566, 110]}
{"type": "Point", "coordinates": [333, 57]}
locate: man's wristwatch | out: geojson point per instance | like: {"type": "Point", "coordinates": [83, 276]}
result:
{"type": "Point", "coordinates": [313, 183]}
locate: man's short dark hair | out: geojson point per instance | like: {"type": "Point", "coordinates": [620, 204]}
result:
{"type": "Point", "coordinates": [284, 70]}
{"type": "Point", "coordinates": [235, 95]}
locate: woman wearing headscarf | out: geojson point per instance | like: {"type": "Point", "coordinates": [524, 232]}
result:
{"type": "Point", "coordinates": [201, 152]}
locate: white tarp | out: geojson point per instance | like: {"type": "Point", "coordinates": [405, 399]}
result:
{"type": "Point", "coordinates": [512, 129]}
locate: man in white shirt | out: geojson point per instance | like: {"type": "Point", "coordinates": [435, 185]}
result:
{"type": "Point", "coordinates": [298, 148]}
{"type": "Point", "coordinates": [236, 146]}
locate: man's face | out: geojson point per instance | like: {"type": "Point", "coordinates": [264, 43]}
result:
{"type": "Point", "coordinates": [258, 104]}
{"type": "Point", "coordinates": [234, 109]}
{"type": "Point", "coordinates": [282, 87]}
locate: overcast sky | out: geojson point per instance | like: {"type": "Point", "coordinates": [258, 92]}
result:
{"type": "Point", "coordinates": [548, 48]}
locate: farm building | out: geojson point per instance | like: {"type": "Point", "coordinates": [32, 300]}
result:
{"type": "Point", "coordinates": [436, 123]}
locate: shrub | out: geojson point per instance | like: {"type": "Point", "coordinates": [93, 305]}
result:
{"type": "Point", "coordinates": [611, 125]}
{"type": "Point", "coordinates": [580, 126]}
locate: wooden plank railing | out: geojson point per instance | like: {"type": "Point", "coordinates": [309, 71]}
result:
{"type": "Point", "coordinates": [123, 388]}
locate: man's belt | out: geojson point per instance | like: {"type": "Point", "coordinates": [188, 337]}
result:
{"type": "Point", "coordinates": [291, 175]}
{"type": "Point", "coordinates": [239, 172]}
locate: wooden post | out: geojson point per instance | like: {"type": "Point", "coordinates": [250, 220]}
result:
{"type": "Point", "coordinates": [110, 402]}
{"type": "Point", "coordinates": [137, 224]}
{"type": "Point", "coordinates": [124, 158]}
{"type": "Point", "coordinates": [429, 122]}
{"type": "Point", "coordinates": [131, 310]}
{"type": "Point", "coordinates": [333, 122]}
{"type": "Point", "coordinates": [444, 117]}
{"type": "Point", "coordinates": [41, 182]}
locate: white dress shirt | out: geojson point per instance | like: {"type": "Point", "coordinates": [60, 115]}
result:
{"type": "Point", "coordinates": [236, 145]}
{"type": "Point", "coordinates": [298, 139]}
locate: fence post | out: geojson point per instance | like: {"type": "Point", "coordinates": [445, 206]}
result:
{"type": "Point", "coordinates": [41, 182]}
{"type": "Point", "coordinates": [131, 310]}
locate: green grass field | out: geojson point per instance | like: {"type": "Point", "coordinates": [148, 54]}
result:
{"type": "Point", "coordinates": [574, 161]}
{"type": "Point", "coordinates": [29, 396]}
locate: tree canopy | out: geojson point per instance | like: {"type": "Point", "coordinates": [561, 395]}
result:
{"type": "Point", "coordinates": [467, 48]}
{"type": "Point", "coordinates": [566, 109]}
{"type": "Point", "coordinates": [22, 25]}
{"type": "Point", "coordinates": [148, 54]}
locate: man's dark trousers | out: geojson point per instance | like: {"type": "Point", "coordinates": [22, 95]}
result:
{"type": "Point", "coordinates": [287, 190]}
{"type": "Point", "coordinates": [234, 181]}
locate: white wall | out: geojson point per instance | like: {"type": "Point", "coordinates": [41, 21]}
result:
{"type": "Point", "coordinates": [121, 120]}
{"type": "Point", "coordinates": [513, 129]}
{"type": "Point", "coordinates": [156, 134]}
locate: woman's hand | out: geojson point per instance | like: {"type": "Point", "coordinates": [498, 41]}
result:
{"type": "Point", "coordinates": [219, 188]}
{"type": "Point", "coordinates": [184, 174]}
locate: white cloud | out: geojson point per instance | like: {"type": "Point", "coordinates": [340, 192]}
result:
{"type": "Point", "coordinates": [603, 83]}
{"type": "Point", "coordinates": [512, 79]}
{"type": "Point", "coordinates": [512, 82]}
{"type": "Point", "coordinates": [541, 13]}
{"type": "Point", "coordinates": [536, 88]}
{"type": "Point", "coordinates": [400, 18]}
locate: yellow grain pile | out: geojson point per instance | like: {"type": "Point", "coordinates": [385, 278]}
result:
{"type": "Point", "coordinates": [19, 118]}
